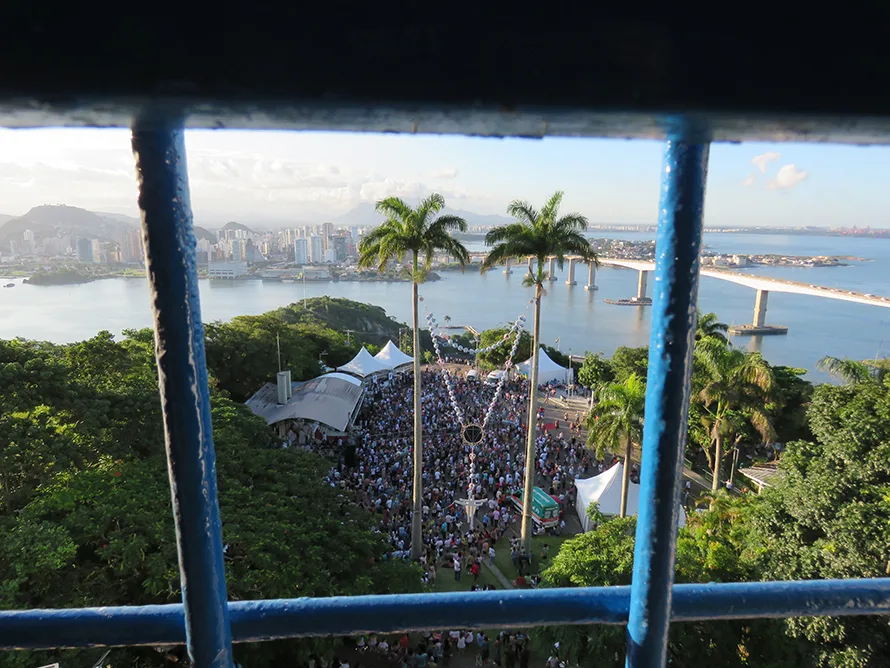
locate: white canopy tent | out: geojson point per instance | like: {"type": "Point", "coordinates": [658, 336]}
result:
{"type": "Point", "coordinates": [363, 365]}
{"type": "Point", "coordinates": [392, 357]}
{"type": "Point", "coordinates": [605, 490]}
{"type": "Point", "coordinates": [548, 370]}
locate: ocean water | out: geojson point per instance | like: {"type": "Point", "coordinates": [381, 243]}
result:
{"type": "Point", "coordinates": [573, 319]}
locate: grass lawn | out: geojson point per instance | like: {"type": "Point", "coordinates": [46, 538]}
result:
{"type": "Point", "coordinates": [445, 580]}
{"type": "Point", "coordinates": [502, 556]}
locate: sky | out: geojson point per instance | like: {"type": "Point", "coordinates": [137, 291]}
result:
{"type": "Point", "coordinates": [281, 178]}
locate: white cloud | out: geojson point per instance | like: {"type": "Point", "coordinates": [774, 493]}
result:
{"type": "Point", "coordinates": [788, 176]}
{"type": "Point", "coordinates": [749, 180]}
{"type": "Point", "coordinates": [445, 173]}
{"type": "Point", "coordinates": [761, 161]}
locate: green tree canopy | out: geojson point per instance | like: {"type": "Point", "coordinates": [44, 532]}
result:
{"type": "Point", "coordinates": [596, 371]}
{"type": "Point", "coordinates": [86, 514]}
{"type": "Point", "coordinates": [628, 361]}
{"type": "Point", "coordinates": [496, 358]}
{"type": "Point", "coordinates": [830, 517]}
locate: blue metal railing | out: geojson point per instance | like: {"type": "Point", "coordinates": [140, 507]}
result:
{"type": "Point", "coordinates": [203, 620]}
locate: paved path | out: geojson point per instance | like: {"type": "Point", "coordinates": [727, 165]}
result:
{"type": "Point", "coordinates": [505, 583]}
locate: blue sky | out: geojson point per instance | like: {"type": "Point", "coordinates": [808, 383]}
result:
{"type": "Point", "coordinates": [266, 177]}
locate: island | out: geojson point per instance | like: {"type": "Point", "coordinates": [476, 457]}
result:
{"type": "Point", "coordinates": [73, 276]}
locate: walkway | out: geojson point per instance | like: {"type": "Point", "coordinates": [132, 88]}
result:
{"type": "Point", "coordinates": [505, 583]}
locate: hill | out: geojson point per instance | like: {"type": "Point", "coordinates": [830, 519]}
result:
{"type": "Point", "coordinates": [339, 314]}
{"type": "Point", "coordinates": [51, 220]}
{"type": "Point", "coordinates": [4, 217]}
{"type": "Point", "coordinates": [204, 233]}
{"type": "Point", "coordinates": [232, 225]}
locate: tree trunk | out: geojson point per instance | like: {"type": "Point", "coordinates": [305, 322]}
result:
{"type": "Point", "coordinates": [417, 515]}
{"type": "Point", "coordinates": [735, 464]}
{"type": "Point", "coordinates": [625, 478]}
{"type": "Point", "coordinates": [718, 456]}
{"type": "Point", "coordinates": [532, 434]}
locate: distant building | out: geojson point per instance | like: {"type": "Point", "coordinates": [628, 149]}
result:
{"type": "Point", "coordinates": [132, 246]}
{"type": "Point", "coordinates": [338, 244]}
{"type": "Point", "coordinates": [330, 255]}
{"type": "Point", "coordinates": [327, 231]}
{"type": "Point", "coordinates": [85, 250]}
{"type": "Point", "coordinates": [316, 250]}
{"type": "Point", "coordinates": [13, 247]}
{"type": "Point", "coordinates": [301, 251]}
{"type": "Point", "coordinates": [228, 270]}
{"type": "Point", "coordinates": [354, 232]}
{"type": "Point", "coordinates": [28, 235]}
{"type": "Point", "coordinates": [740, 260]}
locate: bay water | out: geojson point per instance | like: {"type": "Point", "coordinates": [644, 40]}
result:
{"type": "Point", "coordinates": [573, 319]}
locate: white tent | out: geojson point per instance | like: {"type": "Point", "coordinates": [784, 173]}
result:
{"type": "Point", "coordinates": [548, 370]}
{"type": "Point", "coordinates": [343, 376]}
{"type": "Point", "coordinates": [605, 490]}
{"type": "Point", "coordinates": [392, 357]}
{"type": "Point", "coordinates": [363, 365]}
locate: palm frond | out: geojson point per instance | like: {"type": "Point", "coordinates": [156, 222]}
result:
{"type": "Point", "coordinates": [548, 213]}
{"type": "Point", "coordinates": [394, 208]}
{"type": "Point", "coordinates": [849, 371]}
{"type": "Point", "coordinates": [523, 212]}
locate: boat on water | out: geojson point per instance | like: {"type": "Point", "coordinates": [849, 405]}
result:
{"type": "Point", "coordinates": [633, 301]}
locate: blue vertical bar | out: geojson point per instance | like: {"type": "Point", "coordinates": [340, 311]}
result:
{"type": "Point", "coordinates": [667, 396]}
{"type": "Point", "coordinates": [169, 239]}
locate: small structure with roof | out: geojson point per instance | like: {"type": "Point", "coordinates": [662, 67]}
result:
{"type": "Point", "coordinates": [394, 358]}
{"type": "Point", "coordinates": [548, 370]}
{"type": "Point", "coordinates": [763, 475]}
{"type": "Point", "coordinates": [328, 403]}
{"type": "Point", "coordinates": [364, 365]}
{"type": "Point", "coordinates": [605, 490]}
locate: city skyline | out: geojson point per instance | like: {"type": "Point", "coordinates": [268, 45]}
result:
{"type": "Point", "coordinates": [276, 178]}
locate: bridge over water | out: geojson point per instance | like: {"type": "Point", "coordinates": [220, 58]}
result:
{"type": "Point", "coordinates": [761, 284]}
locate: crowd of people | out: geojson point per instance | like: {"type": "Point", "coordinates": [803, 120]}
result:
{"type": "Point", "coordinates": [434, 650]}
{"type": "Point", "coordinates": [380, 474]}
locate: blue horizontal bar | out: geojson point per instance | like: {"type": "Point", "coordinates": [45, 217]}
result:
{"type": "Point", "coordinates": [344, 616]}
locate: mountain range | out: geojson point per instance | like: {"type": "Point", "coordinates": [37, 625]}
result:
{"type": "Point", "coordinates": [59, 219]}
{"type": "Point", "coordinates": [55, 220]}
{"type": "Point", "coordinates": [51, 220]}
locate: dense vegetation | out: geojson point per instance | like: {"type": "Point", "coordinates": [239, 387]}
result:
{"type": "Point", "coordinates": [85, 504]}
{"type": "Point", "coordinates": [84, 273]}
{"type": "Point", "coordinates": [827, 515]}
{"type": "Point", "coordinates": [85, 508]}
{"type": "Point", "coordinates": [242, 354]}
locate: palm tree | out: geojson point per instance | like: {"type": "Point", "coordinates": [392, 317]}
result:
{"type": "Point", "coordinates": [709, 327]}
{"type": "Point", "coordinates": [540, 235]}
{"type": "Point", "coordinates": [852, 372]}
{"type": "Point", "coordinates": [733, 382]}
{"type": "Point", "coordinates": [417, 233]}
{"type": "Point", "coordinates": [617, 422]}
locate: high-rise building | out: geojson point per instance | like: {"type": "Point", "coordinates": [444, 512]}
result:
{"type": "Point", "coordinates": [132, 246]}
{"type": "Point", "coordinates": [327, 231]}
{"type": "Point", "coordinates": [316, 250]}
{"type": "Point", "coordinates": [28, 235]}
{"type": "Point", "coordinates": [354, 232]}
{"type": "Point", "coordinates": [330, 255]}
{"type": "Point", "coordinates": [301, 251]}
{"type": "Point", "coordinates": [338, 245]}
{"type": "Point", "coordinates": [84, 250]}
